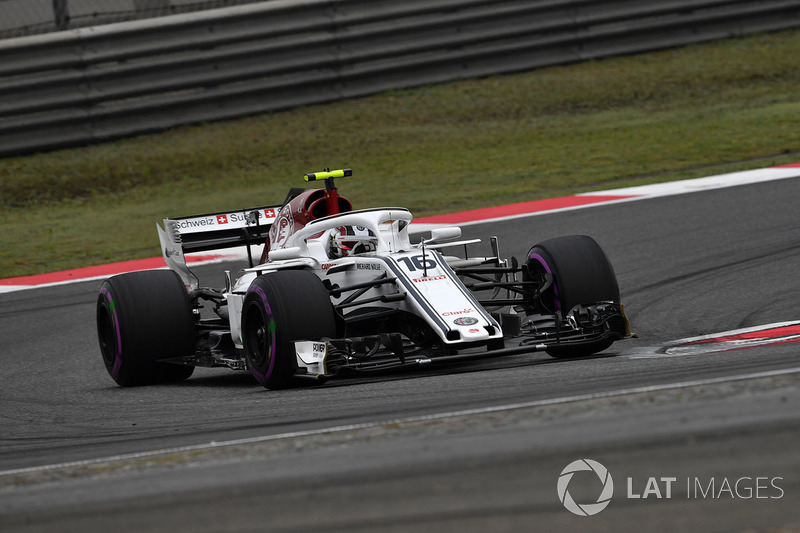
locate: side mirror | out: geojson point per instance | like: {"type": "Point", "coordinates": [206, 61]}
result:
{"type": "Point", "coordinates": [444, 234]}
{"type": "Point", "coordinates": [284, 254]}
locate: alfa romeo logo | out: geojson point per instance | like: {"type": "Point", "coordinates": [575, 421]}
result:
{"type": "Point", "coordinates": [586, 509]}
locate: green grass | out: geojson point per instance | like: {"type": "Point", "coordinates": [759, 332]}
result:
{"type": "Point", "coordinates": [681, 113]}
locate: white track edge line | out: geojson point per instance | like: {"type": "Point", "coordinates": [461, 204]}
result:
{"type": "Point", "coordinates": [410, 420]}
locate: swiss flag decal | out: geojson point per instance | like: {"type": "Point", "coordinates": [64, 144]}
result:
{"type": "Point", "coordinates": [269, 213]}
{"type": "Point", "coordinates": [222, 219]}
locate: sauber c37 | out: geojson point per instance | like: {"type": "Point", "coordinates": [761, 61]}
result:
{"type": "Point", "coordinates": [338, 291]}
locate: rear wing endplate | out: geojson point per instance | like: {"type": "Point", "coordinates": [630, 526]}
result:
{"type": "Point", "coordinates": [213, 231]}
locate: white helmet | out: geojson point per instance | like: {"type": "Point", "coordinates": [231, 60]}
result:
{"type": "Point", "coordinates": [349, 240]}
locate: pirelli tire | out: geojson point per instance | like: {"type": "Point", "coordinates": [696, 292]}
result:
{"type": "Point", "coordinates": [280, 308]}
{"type": "Point", "coordinates": [142, 318]}
{"type": "Point", "coordinates": [582, 274]}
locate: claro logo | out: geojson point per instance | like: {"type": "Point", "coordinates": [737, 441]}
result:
{"type": "Point", "coordinates": [456, 313]}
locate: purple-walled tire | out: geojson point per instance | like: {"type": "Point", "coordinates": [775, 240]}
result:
{"type": "Point", "coordinates": [582, 274]}
{"type": "Point", "coordinates": [280, 308]}
{"type": "Point", "coordinates": [143, 317]}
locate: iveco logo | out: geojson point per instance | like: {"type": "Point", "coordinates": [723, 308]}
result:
{"type": "Point", "coordinates": [465, 321]}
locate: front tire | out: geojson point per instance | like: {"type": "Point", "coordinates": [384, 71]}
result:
{"type": "Point", "coordinates": [280, 308]}
{"type": "Point", "coordinates": [582, 274]}
{"type": "Point", "coordinates": [143, 317]}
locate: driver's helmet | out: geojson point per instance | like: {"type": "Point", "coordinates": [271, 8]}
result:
{"type": "Point", "coordinates": [350, 240]}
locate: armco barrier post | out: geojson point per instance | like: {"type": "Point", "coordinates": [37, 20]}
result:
{"type": "Point", "coordinates": [61, 14]}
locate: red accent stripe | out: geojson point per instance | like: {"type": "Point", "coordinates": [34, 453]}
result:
{"type": "Point", "coordinates": [523, 208]}
{"type": "Point", "coordinates": [792, 165]}
{"type": "Point", "coordinates": [97, 271]}
{"type": "Point", "coordinates": [722, 349]}
{"type": "Point", "coordinates": [771, 333]}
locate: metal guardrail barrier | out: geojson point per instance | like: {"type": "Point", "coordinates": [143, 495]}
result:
{"type": "Point", "coordinates": [101, 83]}
{"type": "Point", "coordinates": [30, 17]}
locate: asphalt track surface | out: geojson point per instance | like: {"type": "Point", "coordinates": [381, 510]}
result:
{"type": "Point", "coordinates": [363, 455]}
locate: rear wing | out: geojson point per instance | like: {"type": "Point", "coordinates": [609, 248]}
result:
{"type": "Point", "coordinates": [216, 231]}
{"type": "Point", "coordinates": [213, 231]}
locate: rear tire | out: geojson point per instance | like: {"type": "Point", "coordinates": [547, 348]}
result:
{"type": "Point", "coordinates": [280, 308]}
{"type": "Point", "coordinates": [582, 274]}
{"type": "Point", "coordinates": [143, 317]}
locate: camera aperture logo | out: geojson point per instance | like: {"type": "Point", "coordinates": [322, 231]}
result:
{"type": "Point", "coordinates": [585, 509]}
{"type": "Point", "coordinates": [663, 487]}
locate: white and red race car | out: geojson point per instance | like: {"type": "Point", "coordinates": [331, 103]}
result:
{"type": "Point", "coordinates": [341, 291]}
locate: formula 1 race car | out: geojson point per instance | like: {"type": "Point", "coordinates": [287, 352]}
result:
{"type": "Point", "coordinates": [339, 291]}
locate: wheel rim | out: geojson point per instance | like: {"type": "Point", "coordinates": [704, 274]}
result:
{"type": "Point", "coordinates": [258, 338]}
{"type": "Point", "coordinates": [538, 264]}
{"type": "Point", "coordinates": [107, 336]}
